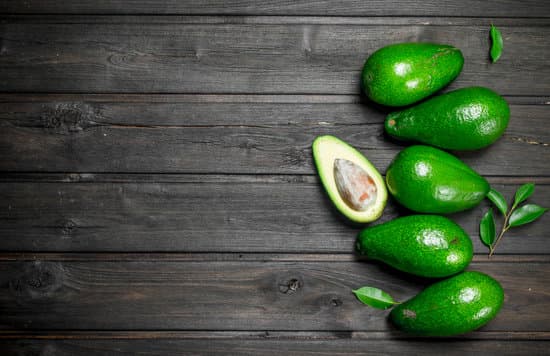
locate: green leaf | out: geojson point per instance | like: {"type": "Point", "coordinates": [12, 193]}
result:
{"type": "Point", "coordinates": [499, 201]}
{"type": "Point", "coordinates": [523, 193]}
{"type": "Point", "coordinates": [375, 297]}
{"type": "Point", "coordinates": [487, 229]}
{"type": "Point", "coordinates": [526, 214]}
{"type": "Point", "coordinates": [497, 44]}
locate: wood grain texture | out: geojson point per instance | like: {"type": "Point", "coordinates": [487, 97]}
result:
{"type": "Point", "coordinates": [261, 335]}
{"type": "Point", "coordinates": [175, 256]}
{"type": "Point", "coordinates": [157, 192]}
{"type": "Point", "coordinates": [235, 214]}
{"type": "Point", "coordinates": [226, 134]}
{"type": "Point", "coordinates": [494, 8]}
{"type": "Point", "coordinates": [234, 295]}
{"type": "Point", "coordinates": [127, 55]}
{"type": "Point", "coordinates": [341, 344]}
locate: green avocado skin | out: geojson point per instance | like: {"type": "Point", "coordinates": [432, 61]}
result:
{"type": "Point", "coordinates": [424, 245]}
{"type": "Point", "coordinates": [404, 73]}
{"type": "Point", "coordinates": [464, 119]}
{"type": "Point", "coordinates": [453, 306]}
{"type": "Point", "coordinates": [428, 180]}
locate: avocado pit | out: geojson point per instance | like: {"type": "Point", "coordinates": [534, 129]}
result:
{"type": "Point", "coordinates": [355, 186]}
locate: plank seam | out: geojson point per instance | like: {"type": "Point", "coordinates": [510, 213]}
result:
{"type": "Point", "coordinates": [241, 257]}
{"type": "Point", "coordinates": [132, 177]}
{"type": "Point", "coordinates": [353, 98]}
{"type": "Point", "coordinates": [302, 335]}
{"type": "Point", "coordinates": [221, 98]}
{"type": "Point", "coordinates": [223, 17]}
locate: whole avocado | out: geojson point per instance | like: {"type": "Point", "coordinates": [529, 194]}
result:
{"type": "Point", "coordinates": [424, 245]}
{"type": "Point", "coordinates": [428, 180]}
{"type": "Point", "coordinates": [453, 306]}
{"type": "Point", "coordinates": [404, 73]}
{"type": "Point", "coordinates": [464, 119]}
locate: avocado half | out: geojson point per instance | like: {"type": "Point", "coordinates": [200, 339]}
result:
{"type": "Point", "coordinates": [332, 156]}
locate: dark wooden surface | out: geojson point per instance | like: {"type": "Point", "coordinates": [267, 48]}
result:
{"type": "Point", "coordinates": [157, 189]}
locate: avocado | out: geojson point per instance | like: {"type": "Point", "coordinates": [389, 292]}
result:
{"type": "Point", "coordinates": [425, 245]}
{"type": "Point", "coordinates": [428, 180]}
{"type": "Point", "coordinates": [453, 306]}
{"type": "Point", "coordinates": [404, 73]}
{"type": "Point", "coordinates": [353, 184]}
{"type": "Point", "coordinates": [464, 119]}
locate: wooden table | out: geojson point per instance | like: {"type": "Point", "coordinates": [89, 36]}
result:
{"type": "Point", "coordinates": [158, 193]}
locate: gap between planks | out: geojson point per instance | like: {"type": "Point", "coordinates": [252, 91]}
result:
{"type": "Point", "coordinates": [203, 178]}
{"type": "Point", "coordinates": [261, 335]}
{"type": "Point", "coordinates": [279, 20]}
{"type": "Point", "coordinates": [229, 257]}
{"type": "Point", "coordinates": [229, 98]}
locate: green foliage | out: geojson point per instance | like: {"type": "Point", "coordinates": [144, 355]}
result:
{"type": "Point", "coordinates": [375, 297]}
{"type": "Point", "coordinates": [487, 229]}
{"type": "Point", "coordinates": [497, 44]}
{"type": "Point", "coordinates": [512, 218]}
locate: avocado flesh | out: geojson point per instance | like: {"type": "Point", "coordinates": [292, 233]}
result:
{"type": "Point", "coordinates": [404, 73]}
{"type": "Point", "coordinates": [333, 156]}
{"type": "Point", "coordinates": [428, 180]}
{"type": "Point", "coordinates": [424, 245]}
{"type": "Point", "coordinates": [453, 306]}
{"type": "Point", "coordinates": [464, 119]}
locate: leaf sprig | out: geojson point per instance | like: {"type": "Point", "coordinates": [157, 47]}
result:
{"type": "Point", "coordinates": [513, 216]}
{"type": "Point", "coordinates": [496, 43]}
{"type": "Point", "coordinates": [375, 297]}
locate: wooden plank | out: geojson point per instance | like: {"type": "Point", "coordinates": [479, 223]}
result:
{"type": "Point", "coordinates": [126, 55]}
{"type": "Point", "coordinates": [113, 99]}
{"type": "Point", "coordinates": [56, 177]}
{"type": "Point", "coordinates": [175, 256]}
{"type": "Point", "coordinates": [262, 335]}
{"type": "Point", "coordinates": [272, 346]}
{"type": "Point", "coordinates": [225, 134]}
{"type": "Point", "coordinates": [234, 295]}
{"type": "Point", "coordinates": [272, 20]}
{"type": "Point", "coordinates": [231, 215]}
{"type": "Point", "coordinates": [493, 8]}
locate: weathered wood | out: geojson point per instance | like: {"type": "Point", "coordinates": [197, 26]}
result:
{"type": "Point", "coordinates": [212, 263]}
{"type": "Point", "coordinates": [235, 214]}
{"type": "Point", "coordinates": [494, 8]}
{"type": "Point", "coordinates": [263, 335]}
{"type": "Point", "coordinates": [161, 110]}
{"type": "Point", "coordinates": [141, 99]}
{"type": "Point", "coordinates": [56, 177]}
{"type": "Point", "coordinates": [338, 344]}
{"type": "Point", "coordinates": [225, 134]}
{"type": "Point", "coordinates": [231, 257]}
{"type": "Point", "coordinates": [234, 295]}
{"type": "Point", "coordinates": [272, 20]}
{"type": "Point", "coordinates": [246, 58]}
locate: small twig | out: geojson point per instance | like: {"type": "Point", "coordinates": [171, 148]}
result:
{"type": "Point", "coordinates": [525, 214]}
{"type": "Point", "coordinates": [505, 228]}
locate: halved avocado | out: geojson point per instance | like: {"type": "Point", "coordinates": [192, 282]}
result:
{"type": "Point", "coordinates": [353, 184]}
